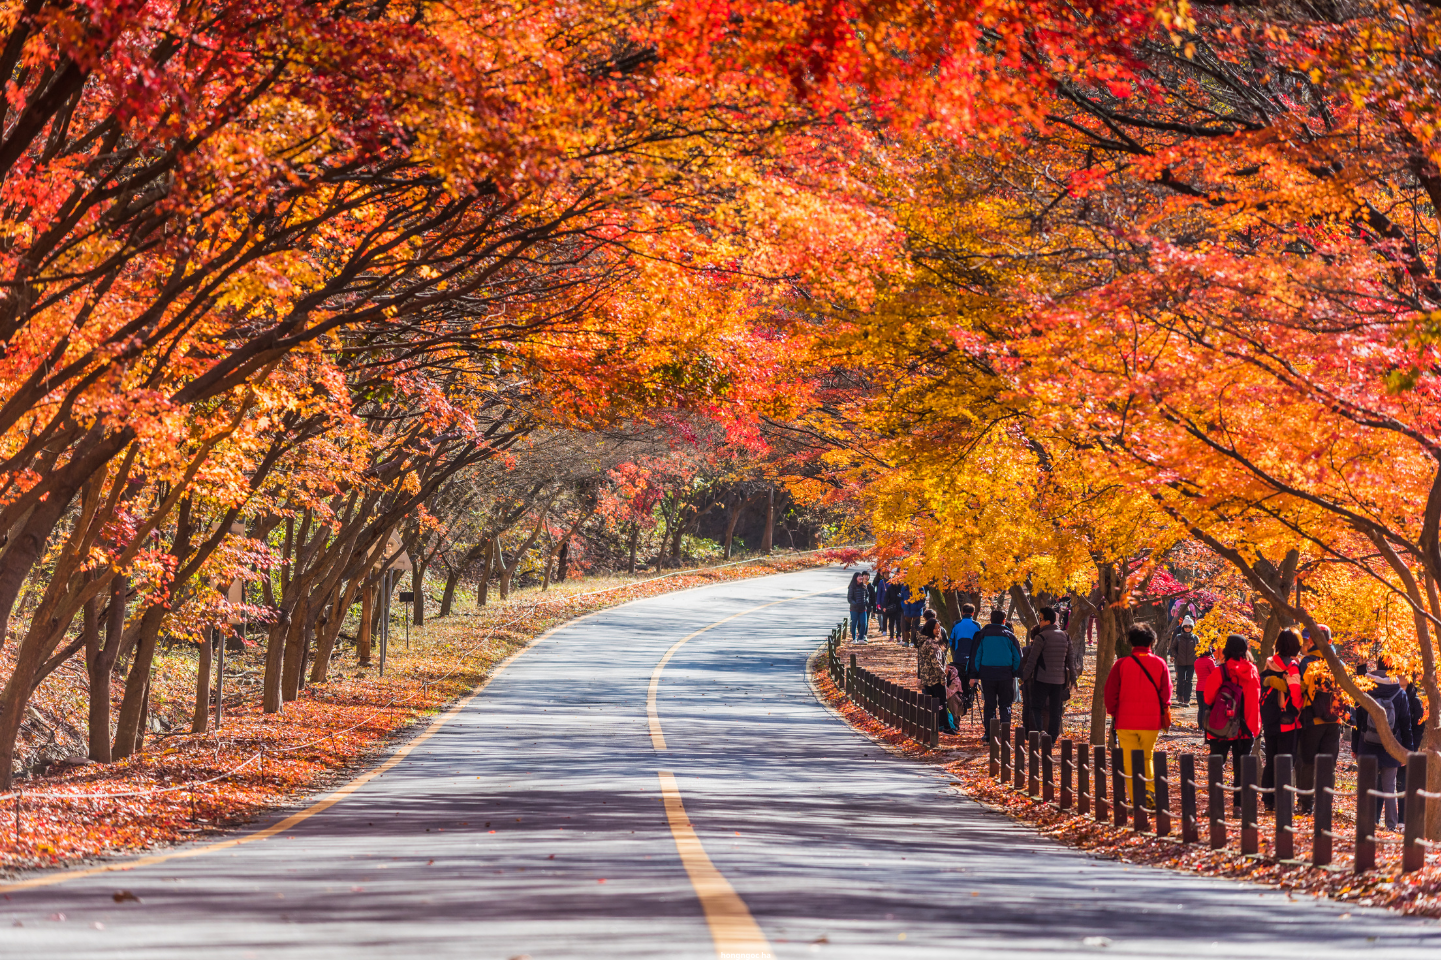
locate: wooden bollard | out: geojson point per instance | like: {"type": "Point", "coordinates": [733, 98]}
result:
{"type": "Point", "coordinates": [1033, 764]}
{"type": "Point", "coordinates": [1216, 799]}
{"type": "Point", "coordinates": [1162, 774]}
{"type": "Point", "coordinates": [1139, 821]}
{"type": "Point", "coordinates": [1413, 854]}
{"type": "Point", "coordinates": [1119, 806]}
{"type": "Point", "coordinates": [1005, 750]}
{"type": "Point", "coordinates": [1190, 827]}
{"type": "Point", "coordinates": [936, 706]}
{"type": "Point", "coordinates": [1083, 778]}
{"type": "Point", "coordinates": [1365, 814]}
{"type": "Point", "coordinates": [1098, 766]}
{"type": "Point", "coordinates": [1068, 769]}
{"type": "Point", "coordinates": [1018, 782]}
{"type": "Point", "coordinates": [1285, 842]}
{"type": "Point", "coordinates": [1325, 784]}
{"type": "Point", "coordinates": [994, 746]}
{"type": "Point", "coordinates": [1048, 772]}
{"type": "Point", "coordinates": [1250, 828]}
{"type": "Point", "coordinates": [852, 680]}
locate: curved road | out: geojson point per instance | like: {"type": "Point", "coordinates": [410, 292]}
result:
{"type": "Point", "coordinates": [555, 816]}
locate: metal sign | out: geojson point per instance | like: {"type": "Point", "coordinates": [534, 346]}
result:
{"type": "Point", "coordinates": [401, 563]}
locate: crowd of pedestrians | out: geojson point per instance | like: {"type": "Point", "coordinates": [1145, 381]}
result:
{"type": "Point", "coordinates": [1291, 705]}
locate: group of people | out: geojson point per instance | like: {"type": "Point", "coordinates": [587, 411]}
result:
{"type": "Point", "coordinates": [898, 613]}
{"type": "Point", "coordinates": [1292, 703]}
{"type": "Point", "coordinates": [972, 659]}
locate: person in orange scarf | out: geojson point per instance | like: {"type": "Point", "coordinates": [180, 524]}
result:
{"type": "Point", "coordinates": [1281, 707]}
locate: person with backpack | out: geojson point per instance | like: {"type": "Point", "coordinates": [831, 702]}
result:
{"type": "Point", "coordinates": [1046, 672]}
{"type": "Point", "coordinates": [963, 636]}
{"type": "Point", "coordinates": [996, 663]}
{"type": "Point", "coordinates": [1205, 665]}
{"type": "Point", "coordinates": [861, 596]}
{"type": "Point", "coordinates": [1387, 691]}
{"type": "Point", "coordinates": [911, 612]}
{"type": "Point", "coordinates": [1324, 708]}
{"type": "Point", "coordinates": [1138, 699]}
{"type": "Point", "coordinates": [1280, 707]}
{"type": "Point", "coordinates": [897, 594]}
{"type": "Point", "coordinates": [1232, 694]}
{"type": "Point", "coordinates": [1183, 655]}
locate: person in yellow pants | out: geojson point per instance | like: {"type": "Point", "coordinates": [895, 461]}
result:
{"type": "Point", "coordinates": [1138, 699]}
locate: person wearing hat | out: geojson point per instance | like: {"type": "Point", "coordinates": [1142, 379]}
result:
{"type": "Point", "coordinates": [1324, 709]}
{"type": "Point", "coordinates": [1183, 654]}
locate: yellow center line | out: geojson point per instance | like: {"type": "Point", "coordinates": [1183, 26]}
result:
{"type": "Point", "coordinates": [732, 927]}
{"type": "Point", "coordinates": [735, 932]}
{"type": "Point", "coordinates": [657, 739]}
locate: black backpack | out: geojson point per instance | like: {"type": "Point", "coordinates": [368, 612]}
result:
{"type": "Point", "coordinates": [1368, 725]}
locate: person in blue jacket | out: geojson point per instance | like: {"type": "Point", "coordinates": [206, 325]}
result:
{"type": "Point", "coordinates": [963, 636]}
{"type": "Point", "coordinates": [996, 662]}
{"type": "Point", "coordinates": [911, 611]}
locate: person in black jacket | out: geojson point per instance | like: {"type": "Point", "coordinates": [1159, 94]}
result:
{"type": "Point", "coordinates": [1366, 741]}
{"type": "Point", "coordinates": [862, 597]}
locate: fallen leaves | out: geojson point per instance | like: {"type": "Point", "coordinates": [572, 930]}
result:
{"type": "Point", "coordinates": [1417, 893]}
{"type": "Point", "coordinates": [166, 793]}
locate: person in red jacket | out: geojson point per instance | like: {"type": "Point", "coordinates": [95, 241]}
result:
{"type": "Point", "coordinates": [1205, 666]}
{"type": "Point", "coordinates": [1237, 669]}
{"type": "Point", "coordinates": [1138, 691]}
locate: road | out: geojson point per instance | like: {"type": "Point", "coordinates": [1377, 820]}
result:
{"type": "Point", "coordinates": [555, 816]}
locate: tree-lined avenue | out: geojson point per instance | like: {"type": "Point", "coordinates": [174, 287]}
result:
{"type": "Point", "coordinates": [532, 823]}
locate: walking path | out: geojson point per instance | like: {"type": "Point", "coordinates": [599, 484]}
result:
{"type": "Point", "coordinates": [656, 780]}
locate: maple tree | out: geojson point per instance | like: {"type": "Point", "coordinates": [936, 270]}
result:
{"type": "Point", "coordinates": [1205, 281]}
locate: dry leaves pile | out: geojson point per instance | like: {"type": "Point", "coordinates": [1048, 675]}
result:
{"type": "Point", "coordinates": [159, 795]}
{"type": "Point", "coordinates": [963, 756]}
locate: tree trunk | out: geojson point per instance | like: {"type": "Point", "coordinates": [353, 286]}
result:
{"type": "Point", "coordinates": [447, 599]}
{"type": "Point", "coordinates": [735, 515]}
{"type": "Point", "coordinates": [482, 590]}
{"type": "Point", "coordinates": [200, 720]}
{"type": "Point", "coordinates": [562, 569]}
{"type": "Point", "coordinates": [417, 589]}
{"type": "Point", "coordinates": [634, 542]}
{"type": "Point", "coordinates": [1022, 605]}
{"type": "Point", "coordinates": [100, 666]}
{"type": "Point", "coordinates": [294, 651]}
{"type": "Point", "coordinates": [766, 538]}
{"type": "Point", "coordinates": [325, 644]}
{"type": "Point", "coordinates": [130, 728]}
{"type": "Point", "coordinates": [1112, 624]}
{"type": "Point", "coordinates": [944, 603]}
{"type": "Point", "coordinates": [509, 569]}
{"type": "Point", "coordinates": [1281, 579]}
{"type": "Point", "coordinates": [367, 617]}
{"type": "Point", "coordinates": [677, 534]}
{"type": "Point", "coordinates": [274, 658]}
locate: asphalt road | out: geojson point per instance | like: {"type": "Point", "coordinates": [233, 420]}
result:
{"type": "Point", "coordinates": [542, 820]}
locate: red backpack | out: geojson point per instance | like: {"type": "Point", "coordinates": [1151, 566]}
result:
{"type": "Point", "coordinates": [1224, 719]}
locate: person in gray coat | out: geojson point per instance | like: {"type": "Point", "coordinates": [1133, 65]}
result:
{"type": "Point", "coordinates": [1046, 671]}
